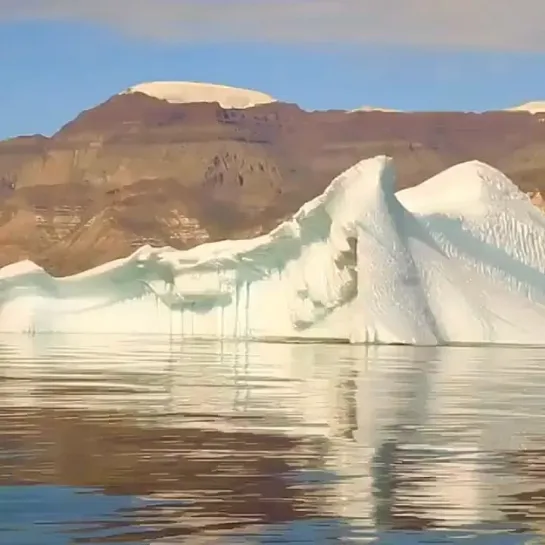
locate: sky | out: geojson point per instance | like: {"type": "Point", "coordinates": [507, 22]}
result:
{"type": "Point", "coordinates": [59, 57]}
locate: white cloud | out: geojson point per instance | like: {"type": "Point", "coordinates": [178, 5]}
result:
{"type": "Point", "coordinates": [481, 24]}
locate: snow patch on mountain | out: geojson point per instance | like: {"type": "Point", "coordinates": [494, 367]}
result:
{"type": "Point", "coordinates": [374, 109]}
{"type": "Point", "coordinates": [534, 107]}
{"type": "Point", "coordinates": [182, 92]}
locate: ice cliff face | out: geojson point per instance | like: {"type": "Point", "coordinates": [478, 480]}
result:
{"type": "Point", "coordinates": [459, 258]}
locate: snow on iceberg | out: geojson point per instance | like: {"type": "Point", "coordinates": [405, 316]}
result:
{"type": "Point", "coordinates": [457, 259]}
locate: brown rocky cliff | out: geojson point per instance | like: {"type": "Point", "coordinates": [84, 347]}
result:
{"type": "Point", "coordinates": [139, 170]}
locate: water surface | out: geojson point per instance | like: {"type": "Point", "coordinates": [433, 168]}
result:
{"type": "Point", "coordinates": [154, 440]}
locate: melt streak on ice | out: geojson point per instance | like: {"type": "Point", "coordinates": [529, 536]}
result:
{"type": "Point", "coordinates": [458, 259]}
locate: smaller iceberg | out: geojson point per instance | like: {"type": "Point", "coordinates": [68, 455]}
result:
{"type": "Point", "coordinates": [459, 258]}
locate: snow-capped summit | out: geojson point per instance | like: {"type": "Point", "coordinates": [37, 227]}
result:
{"type": "Point", "coordinates": [373, 109]}
{"type": "Point", "coordinates": [180, 92]}
{"type": "Point", "coordinates": [534, 107]}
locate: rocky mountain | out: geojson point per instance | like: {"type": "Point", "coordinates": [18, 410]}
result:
{"type": "Point", "coordinates": [145, 167]}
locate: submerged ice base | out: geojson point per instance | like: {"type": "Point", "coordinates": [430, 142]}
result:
{"type": "Point", "coordinates": [458, 259]}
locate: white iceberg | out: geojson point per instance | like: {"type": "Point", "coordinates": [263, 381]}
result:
{"type": "Point", "coordinates": [457, 259]}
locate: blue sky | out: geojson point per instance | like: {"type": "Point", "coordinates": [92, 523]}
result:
{"type": "Point", "coordinates": [56, 63]}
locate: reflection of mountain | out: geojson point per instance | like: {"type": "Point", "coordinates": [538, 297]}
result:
{"type": "Point", "coordinates": [212, 478]}
{"type": "Point", "coordinates": [526, 506]}
{"type": "Point", "coordinates": [254, 433]}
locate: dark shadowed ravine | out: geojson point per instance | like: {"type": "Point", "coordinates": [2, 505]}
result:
{"type": "Point", "coordinates": [162, 441]}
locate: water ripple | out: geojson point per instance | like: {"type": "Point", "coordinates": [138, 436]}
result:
{"type": "Point", "coordinates": [154, 440]}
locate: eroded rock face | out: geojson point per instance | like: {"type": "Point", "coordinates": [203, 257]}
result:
{"type": "Point", "coordinates": [139, 170]}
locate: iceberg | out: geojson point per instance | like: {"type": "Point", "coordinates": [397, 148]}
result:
{"type": "Point", "coordinates": [459, 258]}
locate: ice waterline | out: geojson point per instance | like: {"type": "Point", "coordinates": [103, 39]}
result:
{"type": "Point", "coordinates": [458, 259]}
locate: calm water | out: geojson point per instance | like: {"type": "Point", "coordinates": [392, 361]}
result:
{"type": "Point", "coordinates": [150, 440]}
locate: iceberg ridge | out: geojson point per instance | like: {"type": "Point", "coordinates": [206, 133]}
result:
{"type": "Point", "coordinates": [458, 259]}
